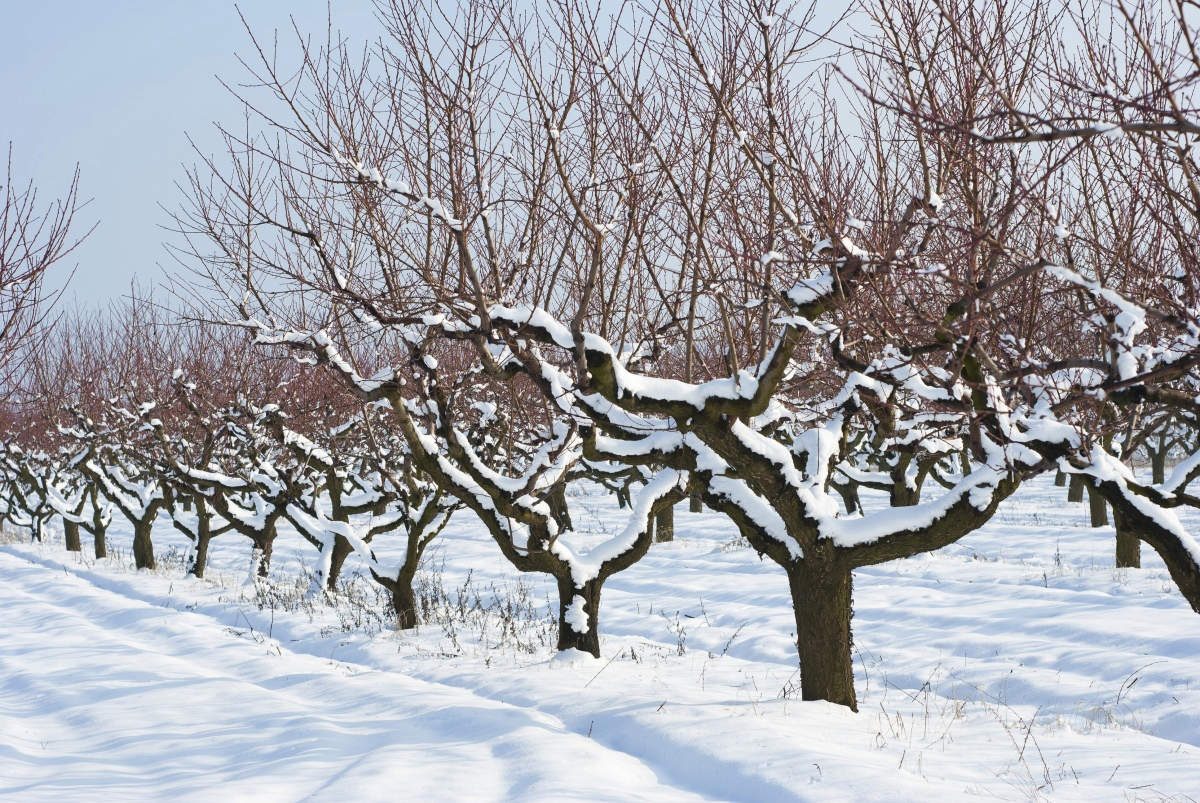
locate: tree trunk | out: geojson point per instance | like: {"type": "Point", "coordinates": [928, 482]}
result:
{"type": "Point", "coordinates": [143, 546]}
{"type": "Point", "coordinates": [1129, 546]}
{"type": "Point", "coordinates": [822, 601]}
{"type": "Point", "coordinates": [664, 524]}
{"type": "Point", "coordinates": [1158, 465]}
{"type": "Point", "coordinates": [264, 543]}
{"type": "Point", "coordinates": [1178, 554]}
{"type": "Point", "coordinates": [404, 599]}
{"type": "Point", "coordinates": [557, 500]}
{"type": "Point", "coordinates": [71, 533]}
{"type": "Point", "coordinates": [341, 551]}
{"type": "Point", "coordinates": [1097, 507]}
{"type": "Point", "coordinates": [99, 531]}
{"type": "Point", "coordinates": [695, 504]}
{"type": "Point", "coordinates": [573, 633]}
{"type": "Point", "coordinates": [1075, 489]}
{"type": "Point", "coordinates": [902, 495]}
{"type": "Point", "coordinates": [200, 556]}
{"type": "Point", "coordinates": [1060, 479]}
{"type": "Point", "coordinates": [849, 494]}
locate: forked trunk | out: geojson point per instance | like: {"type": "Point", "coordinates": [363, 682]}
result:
{"type": "Point", "coordinates": [1129, 546]}
{"type": "Point", "coordinates": [578, 616]}
{"type": "Point", "coordinates": [822, 602]}
{"type": "Point", "coordinates": [1060, 479]}
{"type": "Point", "coordinates": [695, 505]}
{"type": "Point", "coordinates": [71, 534]}
{"type": "Point", "coordinates": [664, 524]}
{"type": "Point", "coordinates": [143, 546]}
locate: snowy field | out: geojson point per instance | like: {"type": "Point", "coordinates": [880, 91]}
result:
{"type": "Point", "coordinates": [1015, 665]}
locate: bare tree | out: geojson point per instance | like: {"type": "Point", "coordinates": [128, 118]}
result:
{"type": "Point", "coordinates": [33, 237]}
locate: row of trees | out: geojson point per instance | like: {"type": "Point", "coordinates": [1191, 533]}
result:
{"type": "Point", "coordinates": [663, 247]}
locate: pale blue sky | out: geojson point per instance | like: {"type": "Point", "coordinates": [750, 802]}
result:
{"type": "Point", "coordinates": [117, 85]}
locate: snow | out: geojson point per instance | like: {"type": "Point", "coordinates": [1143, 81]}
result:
{"type": "Point", "coordinates": [1178, 479]}
{"type": "Point", "coordinates": [586, 567]}
{"type": "Point", "coordinates": [809, 290]}
{"type": "Point", "coordinates": [1017, 664]}
{"type": "Point", "coordinates": [576, 616]}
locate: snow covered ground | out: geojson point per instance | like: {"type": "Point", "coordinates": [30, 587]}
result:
{"type": "Point", "coordinates": [1017, 664]}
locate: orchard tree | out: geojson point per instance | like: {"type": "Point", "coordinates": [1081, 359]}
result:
{"type": "Point", "coordinates": [1119, 359]}
{"type": "Point", "coordinates": [674, 232]}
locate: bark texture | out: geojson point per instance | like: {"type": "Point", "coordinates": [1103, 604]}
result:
{"type": "Point", "coordinates": [1158, 466]}
{"type": "Point", "coordinates": [199, 562]}
{"type": "Point", "coordinates": [823, 608]}
{"type": "Point", "coordinates": [664, 524]}
{"type": "Point", "coordinates": [99, 529]}
{"type": "Point", "coordinates": [1075, 489]}
{"type": "Point", "coordinates": [71, 534]}
{"type": "Point", "coordinates": [1129, 546]}
{"type": "Point", "coordinates": [143, 546]}
{"type": "Point", "coordinates": [1097, 508]}
{"type": "Point", "coordinates": [570, 636]}
{"type": "Point", "coordinates": [341, 551]}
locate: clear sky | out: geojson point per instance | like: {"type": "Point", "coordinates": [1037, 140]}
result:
{"type": "Point", "coordinates": [117, 86]}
